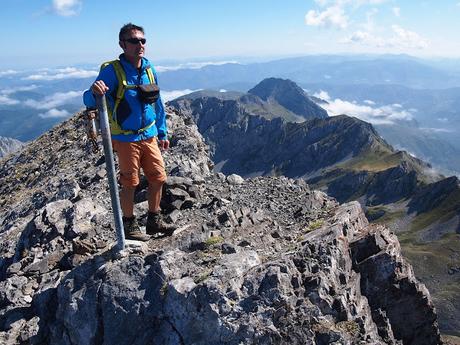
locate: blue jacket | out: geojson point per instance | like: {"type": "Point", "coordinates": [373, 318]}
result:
{"type": "Point", "coordinates": [131, 113]}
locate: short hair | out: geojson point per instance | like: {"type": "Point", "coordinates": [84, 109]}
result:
{"type": "Point", "coordinates": [125, 29]}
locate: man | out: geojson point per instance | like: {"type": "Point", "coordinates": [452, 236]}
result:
{"type": "Point", "coordinates": [138, 129]}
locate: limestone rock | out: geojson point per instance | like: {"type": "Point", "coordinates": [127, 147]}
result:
{"type": "Point", "coordinates": [264, 261]}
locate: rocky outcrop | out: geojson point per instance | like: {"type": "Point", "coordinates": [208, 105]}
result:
{"type": "Point", "coordinates": [347, 159]}
{"type": "Point", "coordinates": [9, 145]}
{"type": "Point", "coordinates": [265, 260]}
{"type": "Point", "coordinates": [276, 147]}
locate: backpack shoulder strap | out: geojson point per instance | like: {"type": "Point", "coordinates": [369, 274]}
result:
{"type": "Point", "coordinates": [121, 77]}
{"type": "Point", "coordinates": [122, 85]}
{"type": "Point", "coordinates": [151, 75]}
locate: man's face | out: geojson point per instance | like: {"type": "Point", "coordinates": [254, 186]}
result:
{"type": "Point", "coordinates": [132, 46]}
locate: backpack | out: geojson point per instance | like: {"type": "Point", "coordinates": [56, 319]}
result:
{"type": "Point", "coordinates": [115, 127]}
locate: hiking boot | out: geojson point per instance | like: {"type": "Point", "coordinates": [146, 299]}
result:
{"type": "Point", "coordinates": [133, 231]}
{"type": "Point", "coordinates": [156, 224]}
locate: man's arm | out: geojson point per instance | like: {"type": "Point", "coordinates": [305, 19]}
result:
{"type": "Point", "coordinates": [106, 81]}
{"type": "Point", "coordinates": [161, 121]}
{"type": "Point", "coordinates": [161, 125]}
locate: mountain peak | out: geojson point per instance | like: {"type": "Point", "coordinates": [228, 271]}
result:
{"type": "Point", "coordinates": [272, 87]}
{"type": "Point", "coordinates": [289, 95]}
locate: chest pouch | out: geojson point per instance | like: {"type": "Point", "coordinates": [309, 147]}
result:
{"type": "Point", "coordinates": [148, 93]}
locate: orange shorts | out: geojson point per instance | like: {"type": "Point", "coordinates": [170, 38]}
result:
{"type": "Point", "coordinates": [143, 154]}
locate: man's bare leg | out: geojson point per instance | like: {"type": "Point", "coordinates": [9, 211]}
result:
{"type": "Point", "coordinates": [155, 223]}
{"type": "Point", "coordinates": [127, 201]}
{"type": "Point", "coordinates": [154, 192]}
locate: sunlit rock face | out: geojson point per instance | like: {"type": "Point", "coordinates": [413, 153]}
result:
{"type": "Point", "coordinates": [264, 260]}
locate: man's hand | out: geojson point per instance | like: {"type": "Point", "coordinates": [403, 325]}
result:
{"type": "Point", "coordinates": [99, 88]}
{"type": "Point", "coordinates": [164, 144]}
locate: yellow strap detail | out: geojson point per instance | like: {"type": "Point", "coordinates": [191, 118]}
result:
{"type": "Point", "coordinates": [151, 76]}
{"type": "Point", "coordinates": [121, 76]}
{"type": "Point", "coordinates": [126, 132]}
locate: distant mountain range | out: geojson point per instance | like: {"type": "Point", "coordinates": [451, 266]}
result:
{"type": "Point", "coordinates": [331, 69]}
{"type": "Point", "coordinates": [345, 157]}
{"type": "Point", "coordinates": [427, 90]}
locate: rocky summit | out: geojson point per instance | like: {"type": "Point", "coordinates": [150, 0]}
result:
{"type": "Point", "coordinates": [264, 260]}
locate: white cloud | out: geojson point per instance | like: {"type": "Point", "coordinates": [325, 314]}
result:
{"type": "Point", "coordinates": [5, 100]}
{"type": "Point", "coordinates": [401, 38]}
{"type": "Point", "coordinates": [408, 38]}
{"type": "Point", "coordinates": [364, 37]}
{"type": "Point", "coordinates": [331, 17]}
{"type": "Point", "coordinates": [55, 100]}
{"type": "Point", "coordinates": [323, 95]}
{"type": "Point", "coordinates": [386, 114]}
{"type": "Point", "coordinates": [62, 73]}
{"type": "Point", "coordinates": [67, 8]}
{"type": "Point", "coordinates": [54, 113]}
{"type": "Point", "coordinates": [339, 14]}
{"type": "Point", "coordinates": [443, 119]}
{"type": "Point", "coordinates": [17, 89]}
{"type": "Point", "coordinates": [193, 65]}
{"type": "Point", "coordinates": [8, 72]}
{"type": "Point", "coordinates": [170, 95]}
{"type": "Point", "coordinates": [335, 14]}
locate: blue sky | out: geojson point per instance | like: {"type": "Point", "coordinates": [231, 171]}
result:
{"type": "Point", "coordinates": [65, 32]}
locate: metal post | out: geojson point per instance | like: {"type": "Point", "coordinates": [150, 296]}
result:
{"type": "Point", "coordinates": [111, 174]}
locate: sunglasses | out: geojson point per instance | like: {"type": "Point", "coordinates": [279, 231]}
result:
{"type": "Point", "coordinates": [136, 40]}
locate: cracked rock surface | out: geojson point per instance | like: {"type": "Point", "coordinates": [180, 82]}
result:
{"type": "Point", "coordinates": [265, 260]}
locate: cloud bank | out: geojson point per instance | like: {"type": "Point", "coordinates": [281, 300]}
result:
{"type": "Point", "coordinates": [368, 112]}
{"type": "Point", "coordinates": [62, 73]}
{"type": "Point", "coordinates": [5, 100]}
{"type": "Point", "coordinates": [18, 89]}
{"type": "Point", "coordinates": [167, 96]}
{"type": "Point", "coordinates": [193, 65]}
{"type": "Point", "coordinates": [54, 113]}
{"type": "Point", "coordinates": [8, 72]}
{"type": "Point", "coordinates": [55, 100]}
